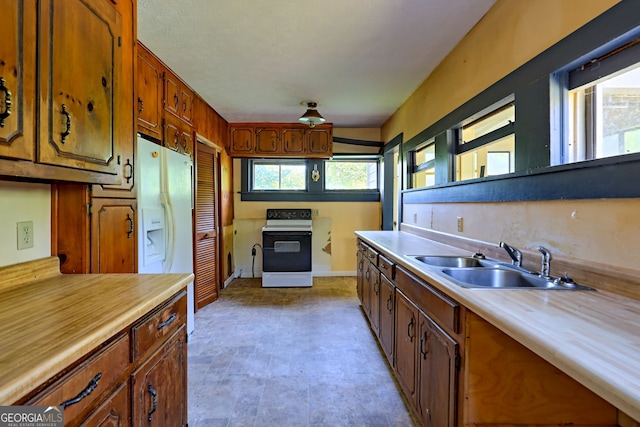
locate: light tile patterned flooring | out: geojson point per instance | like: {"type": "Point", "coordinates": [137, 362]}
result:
{"type": "Point", "coordinates": [289, 357]}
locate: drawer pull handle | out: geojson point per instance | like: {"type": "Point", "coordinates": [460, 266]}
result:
{"type": "Point", "coordinates": [424, 352]}
{"type": "Point", "coordinates": [372, 256]}
{"type": "Point", "coordinates": [128, 171]}
{"type": "Point", "coordinates": [154, 396]}
{"type": "Point", "coordinates": [7, 102]}
{"type": "Point", "coordinates": [383, 265]}
{"type": "Point", "coordinates": [140, 105]}
{"type": "Point", "coordinates": [84, 393]}
{"type": "Point", "coordinates": [389, 304]}
{"type": "Point", "coordinates": [167, 322]}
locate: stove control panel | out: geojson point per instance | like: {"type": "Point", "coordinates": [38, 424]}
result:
{"type": "Point", "coordinates": [285, 214]}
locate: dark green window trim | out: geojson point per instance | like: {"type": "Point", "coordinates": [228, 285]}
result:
{"type": "Point", "coordinates": [534, 86]}
{"type": "Point", "coordinates": [315, 190]}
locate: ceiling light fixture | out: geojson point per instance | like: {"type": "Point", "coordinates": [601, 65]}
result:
{"type": "Point", "coordinates": [311, 117]}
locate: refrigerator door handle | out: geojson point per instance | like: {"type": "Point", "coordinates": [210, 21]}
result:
{"type": "Point", "coordinates": [170, 226]}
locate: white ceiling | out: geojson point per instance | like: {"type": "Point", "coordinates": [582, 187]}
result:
{"type": "Point", "coordinates": [257, 60]}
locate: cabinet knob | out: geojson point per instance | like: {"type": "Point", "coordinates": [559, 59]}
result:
{"type": "Point", "coordinates": [7, 102]}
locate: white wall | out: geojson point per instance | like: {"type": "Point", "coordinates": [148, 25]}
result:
{"type": "Point", "coordinates": [24, 202]}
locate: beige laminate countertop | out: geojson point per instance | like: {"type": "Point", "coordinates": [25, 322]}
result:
{"type": "Point", "coordinates": [594, 337]}
{"type": "Point", "coordinates": [47, 324]}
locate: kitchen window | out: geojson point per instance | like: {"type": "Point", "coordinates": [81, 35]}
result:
{"type": "Point", "coordinates": [485, 145]}
{"type": "Point", "coordinates": [603, 106]}
{"type": "Point", "coordinates": [346, 179]}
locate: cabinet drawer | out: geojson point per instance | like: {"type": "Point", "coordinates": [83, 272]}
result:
{"type": "Point", "coordinates": [92, 377]}
{"type": "Point", "coordinates": [362, 246]}
{"type": "Point", "coordinates": [386, 266]}
{"type": "Point", "coordinates": [440, 308]}
{"type": "Point", "coordinates": [372, 255]}
{"type": "Point", "coordinates": [161, 324]}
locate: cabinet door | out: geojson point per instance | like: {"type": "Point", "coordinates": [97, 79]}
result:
{"type": "Point", "coordinates": [114, 412]}
{"type": "Point", "coordinates": [80, 84]}
{"type": "Point", "coordinates": [406, 345]}
{"type": "Point", "coordinates": [293, 141]}
{"type": "Point", "coordinates": [187, 142]}
{"type": "Point", "coordinates": [113, 236]}
{"type": "Point", "coordinates": [241, 140]}
{"type": "Point", "coordinates": [360, 274]}
{"type": "Point", "coordinates": [171, 100]}
{"type": "Point", "coordinates": [319, 141]}
{"type": "Point", "coordinates": [186, 104]}
{"type": "Point", "coordinates": [387, 316]}
{"type": "Point", "coordinates": [160, 387]}
{"type": "Point", "coordinates": [267, 140]}
{"type": "Point", "coordinates": [17, 79]}
{"type": "Point", "coordinates": [366, 288]}
{"type": "Point", "coordinates": [172, 133]}
{"type": "Point", "coordinates": [149, 87]}
{"type": "Point", "coordinates": [374, 308]}
{"type": "Point", "coordinates": [125, 138]}
{"type": "Point", "coordinates": [438, 375]}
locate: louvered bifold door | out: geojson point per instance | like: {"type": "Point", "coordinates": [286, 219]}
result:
{"type": "Point", "coordinates": [206, 245]}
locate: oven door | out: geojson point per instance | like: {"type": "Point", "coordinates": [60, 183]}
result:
{"type": "Point", "coordinates": [285, 251]}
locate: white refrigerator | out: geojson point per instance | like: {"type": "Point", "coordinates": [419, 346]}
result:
{"type": "Point", "coordinates": [165, 206]}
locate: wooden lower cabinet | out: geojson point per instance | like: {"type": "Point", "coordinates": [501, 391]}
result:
{"type": "Point", "coordinates": [387, 316]}
{"type": "Point", "coordinates": [406, 345]}
{"type": "Point", "coordinates": [360, 275]}
{"type": "Point", "coordinates": [438, 365]}
{"type": "Point", "coordinates": [138, 377]}
{"type": "Point", "coordinates": [455, 369]}
{"type": "Point", "coordinates": [159, 385]}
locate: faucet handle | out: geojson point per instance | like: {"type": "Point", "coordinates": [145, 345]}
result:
{"type": "Point", "coordinates": [546, 261]}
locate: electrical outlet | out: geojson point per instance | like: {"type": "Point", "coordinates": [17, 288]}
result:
{"type": "Point", "coordinates": [25, 234]}
{"type": "Point", "coordinates": [460, 224]}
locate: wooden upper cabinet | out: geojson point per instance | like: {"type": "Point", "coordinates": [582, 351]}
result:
{"type": "Point", "coordinates": [280, 140]}
{"type": "Point", "coordinates": [241, 140]}
{"type": "Point", "coordinates": [178, 98]}
{"type": "Point", "coordinates": [149, 89]}
{"type": "Point", "coordinates": [80, 84]}
{"type": "Point", "coordinates": [267, 140]}
{"type": "Point", "coordinates": [293, 141]}
{"type": "Point", "coordinates": [319, 140]}
{"type": "Point", "coordinates": [17, 79]}
{"type": "Point", "coordinates": [178, 136]}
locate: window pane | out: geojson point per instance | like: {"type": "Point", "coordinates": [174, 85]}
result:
{"type": "Point", "coordinates": [345, 175]}
{"type": "Point", "coordinates": [489, 123]}
{"type": "Point", "coordinates": [495, 158]}
{"type": "Point", "coordinates": [275, 176]}
{"type": "Point", "coordinates": [424, 178]}
{"type": "Point", "coordinates": [605, 117]}
{"type": "Point", "coordinates": [425, 154]}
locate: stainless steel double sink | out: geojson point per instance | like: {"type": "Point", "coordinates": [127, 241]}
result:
{"type": "Point", "coordinates": [477, 272]}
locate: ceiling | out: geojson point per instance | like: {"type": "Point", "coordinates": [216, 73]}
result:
{"type": "Point", "coordinates": [257, 60]}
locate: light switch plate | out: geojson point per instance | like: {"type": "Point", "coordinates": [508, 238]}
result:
{"type": "Point", "coordinates": [25, 234]}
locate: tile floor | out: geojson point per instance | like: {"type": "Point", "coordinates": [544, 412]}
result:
{"type": "Point", "coordinates": [289, 357]}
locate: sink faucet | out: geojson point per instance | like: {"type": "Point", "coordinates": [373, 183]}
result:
{"type": "Point", "coordinates": [514, 254]}
{"type": "Point", "coordinates": [546, 261]}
